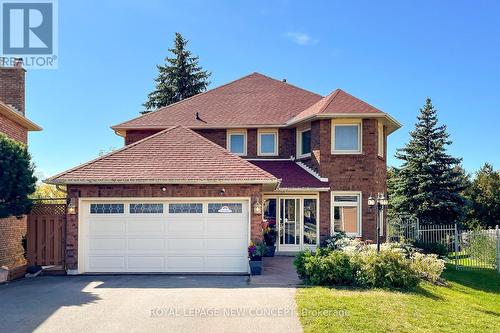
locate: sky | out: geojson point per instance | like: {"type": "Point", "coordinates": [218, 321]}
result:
{"type": "Point", "coordinates": [391, 54]}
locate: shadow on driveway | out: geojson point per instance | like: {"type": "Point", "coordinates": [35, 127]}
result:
{"type": "Point", "coordinates": [118, 303]}
{"type": "Point", "coordinates": [27, 303]}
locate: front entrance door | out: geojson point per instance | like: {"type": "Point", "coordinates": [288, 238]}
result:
{"type": "Point", "coordinates": [289, 223]}
{"type": "Point", "coordinates": [295, 219]}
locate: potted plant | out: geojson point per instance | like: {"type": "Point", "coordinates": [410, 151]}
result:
{"type": "Point", "coordinates": [270, 240]}
{"type": "Point", "coordinates": [255, 253]}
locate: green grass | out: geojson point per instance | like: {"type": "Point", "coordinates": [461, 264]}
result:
{"type": "Point", "coordinates": [471, 303]}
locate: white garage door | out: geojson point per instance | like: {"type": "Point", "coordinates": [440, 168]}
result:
{"type": "Point", "coordinates": [164, 236]}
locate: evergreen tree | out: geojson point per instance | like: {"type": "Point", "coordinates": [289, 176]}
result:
{"type": "Point", "coordinates": [181, 77]}
{"type": "Point", "coordinates": [483, 195]}
{"type": "Point", "coordinates": [17, 181]}
{"type": "Point", "coordinates": [429, 183]}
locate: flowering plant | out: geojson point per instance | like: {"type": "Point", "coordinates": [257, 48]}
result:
{"type": "Point", "coordinates": [256, 251]}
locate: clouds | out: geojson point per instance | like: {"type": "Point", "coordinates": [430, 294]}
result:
{"type": "Point", "coordinates": [300, 38]}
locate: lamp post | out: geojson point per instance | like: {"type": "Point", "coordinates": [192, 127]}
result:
{"type": "Point", "coordinates": [379, 203]}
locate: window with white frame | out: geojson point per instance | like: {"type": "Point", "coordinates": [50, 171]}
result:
{"type": "Point", "coordinates": [268, 142]}
{"type": "Point", "coordinates": [237, 142]}
{"type": "Point", "coordinates": [304, 142]}
{"type": "Point", "coordinates": [346, 138]}
{"type": "Point", "coordinates": [346, 213]}
{"type": "Point", "coordinates": [381, 140]}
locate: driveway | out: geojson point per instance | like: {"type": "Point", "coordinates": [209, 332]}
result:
{"type": "Point", "coordinates": [145, 303]}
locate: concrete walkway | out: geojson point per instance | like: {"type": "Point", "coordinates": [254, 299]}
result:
{"type": "Point", "coordinates": [278, 271]}
{"type": "Point", "coordinates": [146, 303]}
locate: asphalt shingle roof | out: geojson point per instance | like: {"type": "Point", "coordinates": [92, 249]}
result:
{"type": "Point", "coordinates": [175, 155]}
{"type": "Point", "coordinates": [291, 174]}
{"type": "Point", "coordinates": [254, 99]}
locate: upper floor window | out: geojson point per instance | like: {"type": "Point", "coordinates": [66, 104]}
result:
{"type": "Point", "coordinates": [346, 136]}
{"type": "Point", "coordinates": [268, 142]}
{"type": "Point", "coordinates": [304, 142]}
{"type": "Point", "coordinates": [381, 140]}
{"type": "Point", "coordinates": [237, 142]}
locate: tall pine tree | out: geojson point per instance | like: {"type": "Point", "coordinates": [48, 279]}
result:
{"type": "Point", "coordinates": [181, 77]}
{"type": "Point", "coordinates": [429, 183]}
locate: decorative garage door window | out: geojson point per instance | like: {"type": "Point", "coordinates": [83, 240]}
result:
{"type": "Point", "coordinates": [106, 208]}
{"type": "Point", "coordinates": [185, 208]}
{"type": "Point", "coordinates": [146, 208]}
{"type": "Point", "coordinates": [225, 208]}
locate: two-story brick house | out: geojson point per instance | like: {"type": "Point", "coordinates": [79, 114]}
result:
{"type": "Point", "coordinates": [14, 125]}
{"type": "Point", "coordinates": [185, 192]}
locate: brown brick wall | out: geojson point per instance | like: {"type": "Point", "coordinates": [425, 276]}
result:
{"type": "Point", "coordinates": [365, 172]}
{"type": "Point", "coordinates": [219, 136]}
{"type": "Point", "coordinates": [12, 231]}
{"type": "Point", "coordinates": [12, 87]}
{"type": "Point", "coordinates": [13, 130]}
{"type": "Point", "coordinates": [172, 191]}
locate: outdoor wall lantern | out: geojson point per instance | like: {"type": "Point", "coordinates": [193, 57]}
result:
{"type": "Point", "coordinates": [380, 203]}
{"type": "Point", "coordinates": [257, 207]}
{"type": "Point", "coordinates": [71, 207]}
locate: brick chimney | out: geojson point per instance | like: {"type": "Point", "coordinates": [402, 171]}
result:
{"type": "Point", "coordinates": [12, 85]}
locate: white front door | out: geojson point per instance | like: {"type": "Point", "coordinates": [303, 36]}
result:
{"type": "Point", "coordinates": [149, 235]}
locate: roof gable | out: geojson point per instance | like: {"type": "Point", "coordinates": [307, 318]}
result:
{"type": "Point", "coordinates": [175, 155]}
{"type": "Point", "coordinates": [337, 102]}
{"type": "Point", "coordinates": [254, 99]}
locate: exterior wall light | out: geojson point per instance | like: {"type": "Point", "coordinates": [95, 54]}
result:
{"type": "Point", "coordinates": [257, 207]}
{"type": "Point", "coordinates": [72, 206]}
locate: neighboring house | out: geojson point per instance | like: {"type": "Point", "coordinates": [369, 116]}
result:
{"type": "Point", "coordinates": [15, 125]}
{"type": "Point", "coordinates": [184, 193]}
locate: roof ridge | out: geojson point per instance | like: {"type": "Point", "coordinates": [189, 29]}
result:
{"type": "Point", "coordinates": [185, 99]}
{"type": "Point", "coordinates": [288, 84]}
{"type": "Point", "coordinates": [213, 90]}
{"type": "Point", "coordinates": [330, 99]}
{"type": "Point", "coordinates": [362, 101]}
{"type": "Point", "coordinates": [110, 154]}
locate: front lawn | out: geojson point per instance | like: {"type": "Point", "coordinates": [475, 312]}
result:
{"type": "Point", "coordinates": [471, 303]}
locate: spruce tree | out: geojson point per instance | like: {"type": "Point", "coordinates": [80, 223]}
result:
{"type": "Point", "coordinates": [428, 185]}
{"type": "Point", "coordinates": [180, 77]}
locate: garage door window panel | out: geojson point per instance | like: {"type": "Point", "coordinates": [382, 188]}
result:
{"type": "Point", "coordinates": [106, 208]}
{"type": "Point", "coordinates": [225, 208]}
{"type": "Point", "coordinates": [146, 208]}
{"type": "Point", "coordinates": [185, 208]}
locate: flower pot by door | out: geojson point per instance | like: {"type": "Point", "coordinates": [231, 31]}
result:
{"type": "Point", "coordinates": [256, 267]}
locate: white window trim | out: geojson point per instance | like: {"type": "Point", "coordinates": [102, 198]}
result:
{"type": "Point", "coordinates": [299, 143]}
{"type": "Point", "coordinates": [237, 132]}
{"type": "Point", "coordinates": [276, 141]}
{"type": "Point", "coordinates": [380, 140]}
{"type": "Point", "coordinates": [352, 204]}
{"type": "Point", "coordinates": [360, 137]}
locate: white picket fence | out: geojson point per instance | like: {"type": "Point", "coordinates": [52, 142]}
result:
{"type": "Point", "coordinates": [466, 249]}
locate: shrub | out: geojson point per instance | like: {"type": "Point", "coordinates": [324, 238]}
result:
{"type": "Point", "coordinates": [437, 248]}
{"type": "Point", "coordinates": [332, 269]}
{"type": "Point", "coordinates": [300, 263]}
{"type": "Point", "coordinates": [482, 247]}
{"type": "Point", "coordinates": [385, 269]}
{"type": "Point", "coordinates": [428, 266]}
